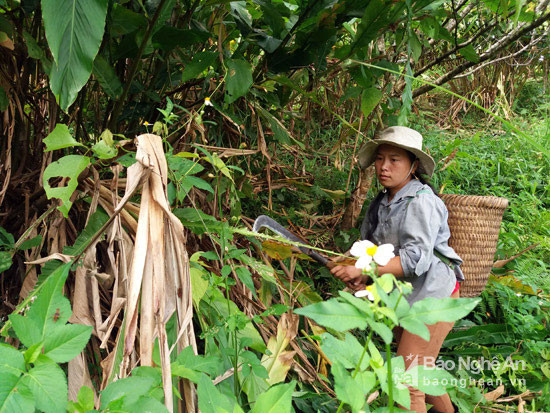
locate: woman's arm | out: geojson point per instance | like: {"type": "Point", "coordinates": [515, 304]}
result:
{"type": "Point", "coordinates": [351, 275]}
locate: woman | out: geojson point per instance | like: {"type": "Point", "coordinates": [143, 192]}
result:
{"type": "Point", "coordinates": [408, 215]}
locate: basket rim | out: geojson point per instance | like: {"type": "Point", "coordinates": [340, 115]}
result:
{"type": "Point", "coordinates": [476, 200]}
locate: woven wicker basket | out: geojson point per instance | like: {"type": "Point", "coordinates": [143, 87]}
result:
{"type": "Point", "coordinates": [474, 222]}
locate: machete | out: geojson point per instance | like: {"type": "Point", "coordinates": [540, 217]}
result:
{"type": "Point", "coordinates": [264, 221]}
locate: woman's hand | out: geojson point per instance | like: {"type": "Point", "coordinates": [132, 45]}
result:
{"type": "Point", "coordinates": [348, 274]}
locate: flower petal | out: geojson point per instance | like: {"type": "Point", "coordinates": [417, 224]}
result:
{"type": "Point", "coordinates": [364, 293]}
{"type": "Point", "coordinates": [363, 262]}
{"type": "Point", "coordinates": [359, 248]}
{"type": "Point", "coordinates": [384, 254]}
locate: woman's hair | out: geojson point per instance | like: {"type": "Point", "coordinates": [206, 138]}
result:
{"type": "Point", "coordinates": [372, 212]}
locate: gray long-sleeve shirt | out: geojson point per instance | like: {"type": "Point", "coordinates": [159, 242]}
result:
{"type": "Point", "coordinates": [415, 223]}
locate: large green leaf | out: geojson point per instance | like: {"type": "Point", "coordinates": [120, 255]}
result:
{"type": "Point", "coordinates": [107, 78]}
{"type": "Point", "coordinates": [278, 399]}
{"type": "Point", "coordinates": [60, 138]}
{"type": "Point", "coordinates": [5, 260]}
{"type": "Point", "coordinates": [191, 366]}
{"type": "Point", "coordinates": [130, 389]}
{"type": "Point", "coordinates": [238, 79]}
{"type": "Point", "coordinates": [211, 400]}
{"type": "Point", "coordinates": [69, 166]}
{"type": "Point", "coordinates": [65, 342]}
{"type": "Point", "coordinates": [469, 53]}
{"type": "Point", "coordinates": [74, 29]}
{"type": "Point", "coordinates": [200, 62]}
{"type": "Point", "coordinates": [49, 310]}
{"type": "Point", "coordinates": [429, 380]}
{"type": "Point", "coordinates": [48, 384]}
{"type": "Point", "coordinates": [369, 100]}
{"type": "Point", "coordinates": [14, 394]}
{"type": "Point", "coordinates": [334, 314]}
{"type": "Point", "coordinates": [346, 352]}
{"type": "Point", "coordinates": [347, 389]}
{"type": "Point", "coordinates": [432, 310]}
{"type": "Point", "coordinates": [11, 360]}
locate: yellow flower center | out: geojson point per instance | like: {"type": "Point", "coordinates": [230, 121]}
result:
{"type": "Point", "coordinates": [207, 99]}
{"type": "Point", "coordinates": [372, 250]}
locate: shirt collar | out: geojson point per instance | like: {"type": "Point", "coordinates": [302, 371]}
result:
{"type": "Point", "coordinates": [409, 190]}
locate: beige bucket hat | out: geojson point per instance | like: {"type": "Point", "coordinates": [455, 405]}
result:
{"type": "Point", "coordinates": [402, 137]}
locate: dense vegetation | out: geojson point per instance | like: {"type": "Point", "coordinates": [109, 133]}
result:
{"type": "Point", "coordinates": [129, 278]}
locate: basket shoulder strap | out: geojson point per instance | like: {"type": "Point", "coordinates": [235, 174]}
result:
{"type": "Point", "coordinates": [443, 258]}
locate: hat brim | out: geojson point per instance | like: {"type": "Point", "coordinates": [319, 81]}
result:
{"type": "Point", "coordinates": [367, 153]}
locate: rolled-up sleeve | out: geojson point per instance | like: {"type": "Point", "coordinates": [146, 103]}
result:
{"type": "Point", "coordinates": [418, 234]}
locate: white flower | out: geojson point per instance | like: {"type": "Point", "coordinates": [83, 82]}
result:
{"type": "Point", "coordinates": [366, 252]}
{"type": "Point", "coordinates": [364, 293]}
{"type": "Point", "coordinates": [207, 102]}
{"type": "Point", "coordinates": [518, 294]}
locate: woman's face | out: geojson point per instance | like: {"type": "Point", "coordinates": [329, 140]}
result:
{"type": "Point", "coordinates": [393, 167]}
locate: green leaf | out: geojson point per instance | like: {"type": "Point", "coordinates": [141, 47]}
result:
{"type": "Point", "coordinates": [33, 353]}
{"type": "Point", "coordinates": [382, 330]}
{"type": "Point", "coordinates": [264, 270]}
{"type": "Point", "coordinates": [64, 343]}
{"type": "Point", "coordinates": [415, 46]}
{"type": "Point", "coordinates": [280, 132]}
{"type": "Point", "coordinates": [60, 138]}
{"type": "Point", "coordinates": [347, 389]}
{"type": "Point", "coordinates": [104, 151]}
{"type": "Point", "coordinates": [168, 38]}
{"type": "Point", "coordinates": [360, 304]}
{"type": "Point", "coordinates": [4, 101]}
{"type": "Point", "coordinates": [190, 181]}
{"type": "Point", "coordinates": [6, 239]}
{"type": "Point", "coordinates": [124, 21]}
{"type": "Point", "coordinates": [469, 53]}
{"type": "Point", "coordinates": [278, 399]}
{"type": "Point", "coordinates": [366, 380]}
{"type": "Point", "coordinates": [238, 79]}
{"type": "Point", "coordinates": [227, 309]}
{"type": "Point", "coordinates": [130, 389]}
{"type": "Point", "coordinates": [74, 29]}
{"type": "Point", "coordinates": [34, 50]}
{"type": "Point", "coordinates": [347, 352]}
{"type": "Point", "coordinates": [211, 400]}
{"type": "Point", "coordinates": [69, 166]}
{"type": "Point", "coordinates": [107, 78]}
{"type": "Point", "coordinates": [334, 314]}
{"type": "Point", "coordinates": [49, 310]}
{"type": "Point", "coordinates": [85, 398]}
{"type": "Point", "coordinates": [5, 260]}
{"type": "Point", "coordinates": [14, 394]}
{"type": "Point", "coordinates": [191, 366]}
{"type": "Point", "coordinates": [199, 284]}
{"type": "Point", "coordinates": [31, 243]}
{"type": "Point", "coordinates": [246, 278]}
{"type": "Point", "coordinates": [200, 62]}
{"type": "Point", "coordinates": [48, 384]}
{"type": "Point", "coordinates": [369, 100]}
{"type": "Point", "coordinates": [11, 360]}
{"type": "Point", "coordinates": [415, 326]}
{"type": "Point", "coordinates": [429, 380]}
{"type": "Point", "coordinates": [25, 329]}
{"type": "Point", "coordinates": [146, 405]}
{"type": "Point", "coordinates": [432, 310]}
